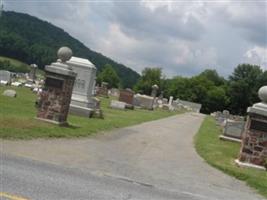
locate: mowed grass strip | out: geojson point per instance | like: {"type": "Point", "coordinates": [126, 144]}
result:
{"type": "Point", "coordinates": [12, 61]}
{"type": "Point", "coordinates": [17, 118]}
{"type": "Point", "coordinates": [221, 154]}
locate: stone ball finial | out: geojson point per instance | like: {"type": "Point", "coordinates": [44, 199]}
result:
{"type": "Point", "coordinates": [263, 94]}
{"type": "Point", "coordinates": [64, 54]}
{"type": "Point", "coordinates": [155, 87]}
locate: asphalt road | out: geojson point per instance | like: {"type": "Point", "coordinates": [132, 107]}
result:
{"type": "Point", "coordinates": [25, 179]}
{"type": "Point", "coordinates": [150, 161]}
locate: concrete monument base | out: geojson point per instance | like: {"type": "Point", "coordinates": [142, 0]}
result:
{"type": "Point", "coordinates": [223, 137]}
{"type": "Point", "coordinates": [81, 111]}
{"type": "Point", "coordinates": [52, 121]}
{"type": "Point", "coordinates": [82, 107]}
{"type": "Point", "coordinates": [249, 165]}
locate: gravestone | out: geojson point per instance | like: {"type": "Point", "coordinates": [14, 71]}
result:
{"type": "Point", "coordinates": [161, 95]}
{"type": "Point", "coordinates": [164, 101]}
{"type": "Point", "coordinates": [144, 101]}
{"type": "Point", "coordinates": [5, 76]}
{"type": "Point", "coordinates": [82, 101]}
{"type": "Point", "coordinates": [103, 90]}
{"type": "Point", "coordinates": [55, 97]}
{"type": "Point", "coordinates": [115, 92]}
{"type": "Point", "coordinates": [10, 93]}
{"type": "Point", "coordinates": [233, 130]}
{"type": "Point", "coordinates": [195, 107]}
{"type": "Point", "coordinates": [32, 74]}
{"type": "Point", "coordinates": [170, 100]}
{"type": "Point", "coordinates": [126, 96]}
{"type": "Point", "coordinates": [253, 151]}
{"type": "Point", "coordinates": [117, 104]}
{"type": "Point", "coordinates": [154, 90]}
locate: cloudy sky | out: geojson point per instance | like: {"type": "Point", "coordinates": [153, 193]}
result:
{"type": "Point", "coordinates": [181, 37]}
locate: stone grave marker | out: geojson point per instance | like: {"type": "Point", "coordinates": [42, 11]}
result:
{"type": "Point", "coordinates": [126, 96]}
{"type": "Point", "coordinates": [154, 90]}
{"type": "Point", "coordinates": [5, 76]}
{"type": "Point", "coordinates": [54, 102]}
{"type": "Point", "coordinates": [103, 90]}
{"type": "Point", "coordinates": [115, 92]}
{"type": "Point", "coordinates": [144, 101]}
{"type": "Point", "coordinates": [10, 93]}
{"type": "Point", "coordinates": [32, 74]}
{"type": "Point", "coordinates": [233, 130]}
{"type": "Point", "coordinates": [82, 101]}
{"type": "Point", "coordinates": [253, 151]}
{"type": "Point", "coordinates": [226, 114]}
{"type": "Point", "coordinates": [117, 104]}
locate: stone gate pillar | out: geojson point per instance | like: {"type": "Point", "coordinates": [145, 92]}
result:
{"type": "Point", "coordinates": [253, 151]}
{"type": "Point", "coordinates": [55, 98]}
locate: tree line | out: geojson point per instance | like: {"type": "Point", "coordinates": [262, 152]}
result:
{"type": "Point", "coordinates": [208, 88]}
{"type": "Point", "coordinates": [213, 91]}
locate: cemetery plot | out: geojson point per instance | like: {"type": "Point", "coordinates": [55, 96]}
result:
{"type": "Point", "coordinates": [17, 118]}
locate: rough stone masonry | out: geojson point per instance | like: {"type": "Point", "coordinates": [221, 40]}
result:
{"type": "Point", "coordinates": [254, 144]}
{"type": "Point", "coordinates": [56, 96]}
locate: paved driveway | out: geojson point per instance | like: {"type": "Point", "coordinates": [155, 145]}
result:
{"type": "Point", "coordinates": [159, 154]}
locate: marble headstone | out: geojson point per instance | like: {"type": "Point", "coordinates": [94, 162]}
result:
{"type": "Point", "coordinates": [5, 76]}
{"type": "Point", "coordinates": [82, 102]}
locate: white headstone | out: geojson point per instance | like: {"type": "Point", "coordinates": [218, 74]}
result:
{"type": "Point", "coordinates": [144, 101]}
{"type": "Point", "coordinates": [117, 104]}
{"type": "Point", "coordinates": [5, 76]}
{"type": "Point", "coordinates": [84, 87]}
{"type": "Point", "coordinates": [10, 93]}
{"type": "Point", "coordinates": [170, 100]}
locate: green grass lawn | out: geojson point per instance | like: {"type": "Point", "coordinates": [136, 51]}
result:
{"type": "Point", "coordinates": [17, 118]}
{"type": "Point", "coordinates": [221, 154]}
{"type": "Point", "coordinates": [12, 61]}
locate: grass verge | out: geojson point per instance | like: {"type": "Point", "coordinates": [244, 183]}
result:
{"type": "Point", "coordinates": [221, 154]}
{"type": "Point", "coordinates": [17, 118]}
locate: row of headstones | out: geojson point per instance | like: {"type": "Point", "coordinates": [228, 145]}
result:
{"type": "Point", "coordinates": [6, 77]}
{"type": "Point", "coordinates": [128, 97]}
{"type": "Point", "coordinates": [233, 125]}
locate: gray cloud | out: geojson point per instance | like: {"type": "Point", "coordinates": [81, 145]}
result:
{"type": "Point", "coordinates": [182, 38]}
{"type": "Point", "coordinates": [141, 22]}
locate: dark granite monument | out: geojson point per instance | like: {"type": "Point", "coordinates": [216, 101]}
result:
{"type": "Point", "coordinates": [126, 96]}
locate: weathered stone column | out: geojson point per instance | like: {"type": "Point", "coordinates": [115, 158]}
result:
{"type": "Point", "coordinates": [32, 74]}
{"type": "Point", "coordinates": [56, 95]}
{"type": "Point", "coordinates": [154, 90]}
{"type": "Point", "coordinates": [253, 151]}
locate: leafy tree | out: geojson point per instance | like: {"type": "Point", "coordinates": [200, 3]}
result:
{"type": "Point", "coordinates": [215, 100]}
{"type": "Point", "coordinates": [243, 87]}
{"type": "Point", "coordinates": [212, 76]}
{"type": "Point", "coordinates": [263, 79]}
{"type": "Point", "coordinates": [110, 76]}
{"type": "Point", "coordinates": [150, 76]}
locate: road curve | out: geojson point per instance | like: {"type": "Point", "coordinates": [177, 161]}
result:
{"type": "Point", "coordinates": [153, 160]}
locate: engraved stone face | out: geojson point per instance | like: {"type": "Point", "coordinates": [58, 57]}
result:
{"type": "Point", "coordinates": [263, 94]}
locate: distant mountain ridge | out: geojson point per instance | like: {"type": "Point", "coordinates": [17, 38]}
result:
{"type": "Point", "coordinates": [32, 40]}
